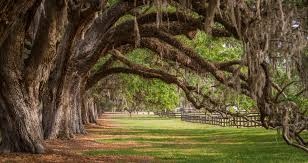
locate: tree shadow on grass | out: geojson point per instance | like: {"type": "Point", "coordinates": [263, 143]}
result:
{"type": "Point", "coordinates": [209, 153]}
{"type": "Point", "coordinates": [176, 141]}
{"type": "Point", "coordinates": [193, 145]}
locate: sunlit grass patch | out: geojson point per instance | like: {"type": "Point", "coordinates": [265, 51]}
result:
{"type": "Point", "coordinates": [177, 141]}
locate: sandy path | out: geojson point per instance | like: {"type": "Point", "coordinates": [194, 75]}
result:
{"type": "Point", "coordinates": [71, 150]}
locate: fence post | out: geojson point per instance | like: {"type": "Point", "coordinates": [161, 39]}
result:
{"type": "Point", "coordinates": [215, 119]}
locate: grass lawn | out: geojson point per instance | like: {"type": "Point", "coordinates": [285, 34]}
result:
{"type": "Point", "coordinates": [171, 140]}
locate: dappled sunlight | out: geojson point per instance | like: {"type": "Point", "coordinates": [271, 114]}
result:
{"type": "Point", "coordinates": [173, 140]}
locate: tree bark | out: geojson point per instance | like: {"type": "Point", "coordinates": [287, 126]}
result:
{"type": "Point", "coordinates": [52, 110]}
{"type": "Point", "coordinates": [89, 110]}
{"type": "Point", "coordinates": [92, 111]}
{"type": "Point", "coordinates": [58, 111]}
{"type": "Point", "coordinates": [66, 117]}
{"type": "Point", "coordinates": [19, 120]}
{"type": "Point", "coordinates": [12, 11]}
{"type": "Point", "coordinates": [84, 111]}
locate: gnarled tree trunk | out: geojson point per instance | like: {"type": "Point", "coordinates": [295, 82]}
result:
{"type": "Point", "coordinates": [89, 111]}
{"type": "Point", "coordinates": [24, 75]}
{"type": "Point", "coordinates": [19, 119]}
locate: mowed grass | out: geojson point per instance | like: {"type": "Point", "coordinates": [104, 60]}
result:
{"type": "Point", "coordinates": [171, 140]}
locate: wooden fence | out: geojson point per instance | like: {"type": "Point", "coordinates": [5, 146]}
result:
{"type": "Point", "coordinates": [169, 114]}
{"type": "Point", "coordinates": [251, 120]}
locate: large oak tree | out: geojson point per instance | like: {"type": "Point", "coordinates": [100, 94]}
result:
{"type": "Point", "coordinates": [48, 48]}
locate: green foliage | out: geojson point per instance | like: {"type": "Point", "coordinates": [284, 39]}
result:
{"type": "Point", "coordinates": [141, 56]}
{"type": "Point", "coordinates": [227, 49]}
{"type": "Point", "coordinates": [100, 62]}
{"type": "Point", "coordinates": [302, 102]}
{"type": "Point", "coordinates": [214, 49]}
{"type": "Point", "coordinates": [162, 94]}
{"type": "Point", "coordinates": [124, 19]}
{"type": "Point", "coordinates": [152, 94]}
{"type": "Point", "coordinates": [112, 2]}
{"type": "Point", "coordinates": [281, 78]}
{"type": "Point", "coordinates": [246, 102]}
{"type": "Point", "coordinates": [146, 10]}
{"type": "Point", "coordinates": [218, 50]}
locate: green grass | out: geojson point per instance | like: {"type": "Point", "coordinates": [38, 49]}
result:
{"type": "Point", "coordinates": [175, 141]}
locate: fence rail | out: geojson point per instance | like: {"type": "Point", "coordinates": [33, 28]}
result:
{"type": "Point", "coordinates": [169, 114]}
{"type": "Point", "coordinates": [251, 120]}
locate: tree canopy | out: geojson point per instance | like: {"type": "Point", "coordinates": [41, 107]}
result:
{"type": "Point", "coordinates": [54, 55]}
